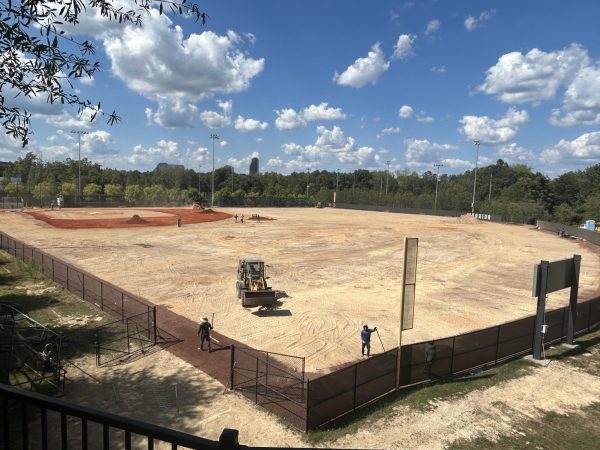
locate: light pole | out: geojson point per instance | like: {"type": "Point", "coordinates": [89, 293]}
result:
{"type": "Point", "coordinates": [387, 176]}
{"type": "Point", "coordinates": [337, 180]}
{"type": "Point", "coordinates": [437, 180]}
{"type": "Point", "coordinates": [477, 144]}
{"type": "Point", "coordinates": [232, 179]}
{"type": "Point", "coordinates": [199, 167]}
{"type": "Point", "coordinates": [213, 136]}
{"type": "Point", "coordinates": [79, 133]}
{"type": "Point", "coordinates": [490, 195]}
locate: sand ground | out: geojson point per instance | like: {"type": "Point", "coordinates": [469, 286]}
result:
{"type": "Point", "coordinates": [336, 269]}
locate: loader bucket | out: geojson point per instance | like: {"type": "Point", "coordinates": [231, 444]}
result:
{"type": "Point", "coordinates": [258, 298]}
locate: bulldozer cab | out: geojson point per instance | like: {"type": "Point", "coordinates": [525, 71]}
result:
{"type": "Point", "coordinates": [252, 285]}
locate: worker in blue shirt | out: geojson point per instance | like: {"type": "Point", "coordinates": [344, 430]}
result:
{"type": "Point", "coordinates": [365, 336]}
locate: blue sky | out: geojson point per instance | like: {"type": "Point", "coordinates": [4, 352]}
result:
{"type": "Point", "coordinates": [340, 85]}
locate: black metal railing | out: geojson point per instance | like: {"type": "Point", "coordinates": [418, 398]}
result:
{"type": "Point", "coordinates": [30, 419]}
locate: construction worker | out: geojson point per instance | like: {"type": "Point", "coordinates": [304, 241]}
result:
{"type": "Point", "coordinates": [365, 336]}
{"type": "Point", "coordinates": [204, 333]}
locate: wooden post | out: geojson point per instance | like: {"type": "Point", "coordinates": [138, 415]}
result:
{"type": "Point", "coordinates": [399, 355]}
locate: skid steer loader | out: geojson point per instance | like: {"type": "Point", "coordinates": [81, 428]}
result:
{"type": "Point", "coordinates": [251, 284]}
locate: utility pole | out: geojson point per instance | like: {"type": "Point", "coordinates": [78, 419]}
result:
{"type": "Point", "coordinates": [213, 136]}
{"type": "Point", "coordinates": [490, 195]}
{"type": "Point", "coordinates": [437, 180]}
{"type": "Point", "coordinates": [199, 167]}
{"type": "Point", "coordinates": [337, 180]}
{"type": "Point", "coordinates": [232, 178]}
{"type": "Point", "coordinates": [387, 176]}
{"type": "Point", "coordinates": [79, 133]}
{"type": "Point", "coordinates": [354, 182]}
{"type": "Point", "coordinates": [477, 144]}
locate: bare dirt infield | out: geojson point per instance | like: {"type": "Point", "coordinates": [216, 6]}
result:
{"type": "Point", "coordinates": [124, 217]}
{"type": "Point", "coordinates": [336, 269]}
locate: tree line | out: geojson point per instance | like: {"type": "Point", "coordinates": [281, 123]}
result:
{"type": "Point", "coordinates": [514, 191]}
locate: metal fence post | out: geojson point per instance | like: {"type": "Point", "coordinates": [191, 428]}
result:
{"type": "Point", "coordinates": [122, 306]}
{"type": "Point", "coordinates": [355, 381]}
{"type": "Point", "coordinates": [452, 356]}
{"type": "Point", "coordinates": [267, 373]}
{"type": "Point", "coordinates": [53, 279]}
{"type": "Point", "coordinates": [497, 345]}
{"type": "Point", "coordinates": [67, 272]}
{"type": "Point", "coordinates": [307, 405]}
{"type": "Point", "coordinates": [97, 349]}
{"type": "Point", "coordinates": [127, 328]}
{"type": "Point", "coordinates": [101, 295]}
{"type": "Point", "coordinates": [155, 327]}
{"type": "Point", "coordinates": [231, 365]}
{"type": "Point", "coordinates": [83, 285]}
{"type": "Point", "coordinates": [256, 382]}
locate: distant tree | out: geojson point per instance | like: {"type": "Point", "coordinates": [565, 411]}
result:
{"type": "Point", "coordinates": [11, 189]}
{"type": "Point", "coordinates": [42, 190]}
{"type": "Point", "coordinates": [565, 213]}
{"type": "Point", "coordinates": [91, 189]}
{"type": "Point", "coordinates": [113, 190]}
{"type": "Point", "coordinates": [68, 189]}
{"type": "Point", "coordinates": [40, 59]}
{"type": "Point", "coordinates": [134, 193]}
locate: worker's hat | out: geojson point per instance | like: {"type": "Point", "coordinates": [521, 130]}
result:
{"type": "Point", "coordinates": [204, 319]}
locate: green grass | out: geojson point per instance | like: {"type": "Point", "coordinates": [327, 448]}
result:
{"type": "Point", "coordinates": [420, 399]}
{"type": "Point", "coordinates": [553, 431]}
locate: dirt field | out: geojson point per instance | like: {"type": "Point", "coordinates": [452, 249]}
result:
{"type": "Point", "coordinates": [337, 269]}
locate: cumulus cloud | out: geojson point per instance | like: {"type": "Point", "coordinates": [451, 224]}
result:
{"type": "Point", "coordinates": [583, 150]}
{"type": "Point", "coordinates": [98, 143]}
{"type": "Point", "coordinates": [490, 131]}
{"type": "Point", "coordinates": [534, 76]}
{"type": "Point", "coordinates": [223, 143]}
{"type": "Point", "coordinates": [164, 151]}
{"type": "Point", "coordinates": [422, 154]}
{"type": "Point", "coordinates": [581, 102]}
{"type": "Point", "coordinates": [472, 22]}
{"type": "Point", "coordinates": [242, 124]}
{"type": "Point", "coordinates": [406, 112]}
{"type": "Point", "coordinates": [331, 145]}
{"type": "Point", "coordinates": [66, 120]}
{"type": "Point", "coordinates": [364, 70]}
{"type": "Point", "coordinates": [172, 114]}
{"type": "Point", "coordinates": [514, 153]}
{"type": "Point", "coordinates": [403, 48]}
{"type": "Point", "coordinates": [289, 119]}
{"type": "Point", "coordinates": [243, 163]}
{"type": "Point", "coordinates": [157, 60]}
{"type": "Point", "coordinates": [213, 119]}
{"type": "Point", "coordinates": [388, 131]}
{"type": "Point", "coordinates": [432, 27]}
{"type": "Point", "coordinates": [323, 112]}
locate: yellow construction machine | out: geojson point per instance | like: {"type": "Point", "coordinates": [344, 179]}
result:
{"type": "Point", "coordinates": [251, 284]}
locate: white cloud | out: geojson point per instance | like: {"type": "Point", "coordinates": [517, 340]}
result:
{"type": "Point", "coordinates": [276, 162]}
{"type": "Point", "coordinates": [258, 139]}
{"type": "Point", "coordinates": [243, 163]}
{"type": "Point", "coordinates": [159, 62]}
{"type": "Point", "coordinates": [331, 145]}
{"type": "Point", "coordinates": [323, 112]}
{"type": "Point", "coordinates": [388, 131]}
{"type": "Point", "coordinates": [534, 76]}
{"type": "Point", "coordinates": [514, 153]}
{"type": "Point", "coordinates": [423, 118]}
{"type": "Point", "coordinates": [432, 26]}
{"type": "Point", "coordinates": [403, 48]}
{"type": "Point", "coordinates": [491, 131]}
{"type": "Point", "coordinates": [98, 143]}
{"type": "Point", "coordinates": [172, 114]}
{"type": "Point", "coordinates": [422, 154]}
{"type": "Point", "coordinates": [581, 103]}
{"type": "Point", "coordinates": [242, 124]}
{"type": "Point", "coordinates": [583, 150]}
{"type": "Point", "coordinates": [364, 70]}
{"type": "Point", "coordinates": [289, 119]}
{"type": "Point", "coordinates": [405, 112]}
{"type": "Point", "coordinates": [213, 119]}
{"type": "Point", "coordinates": [66, 120]}
{"type": "Point", "coordinates": [165, 151]}
{"type": "Point", "coordinates": [472, 22]}
{"type": "Point", "coordinates": [441, 69]}
{"type": "Point", "coordinates": [223, 143]}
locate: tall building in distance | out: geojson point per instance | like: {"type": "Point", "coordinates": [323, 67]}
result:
{"type": "Point", "coordinates": [254, 166]}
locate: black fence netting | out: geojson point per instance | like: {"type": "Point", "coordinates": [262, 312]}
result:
{"type": "Point", "coordinates": [121, 339]}
{"type": "Point", "coordinates": [273, 381]}
{"type": "Point", "coordinates": [109, 298]}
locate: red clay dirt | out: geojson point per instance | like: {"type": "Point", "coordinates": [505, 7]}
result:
{"type": "Point", "coordinates": [188, 216]}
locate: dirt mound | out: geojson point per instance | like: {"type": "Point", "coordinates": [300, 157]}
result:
{"type": "Point", "coordinates": [208, 211]}
{"type": "Point", "coordinates": [136, 219]}
{"type": "Point", "coordinates": [468, 218]}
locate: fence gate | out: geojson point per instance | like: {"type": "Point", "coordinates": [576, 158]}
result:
{"type": "Point", "coordinates": [272, 380]}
